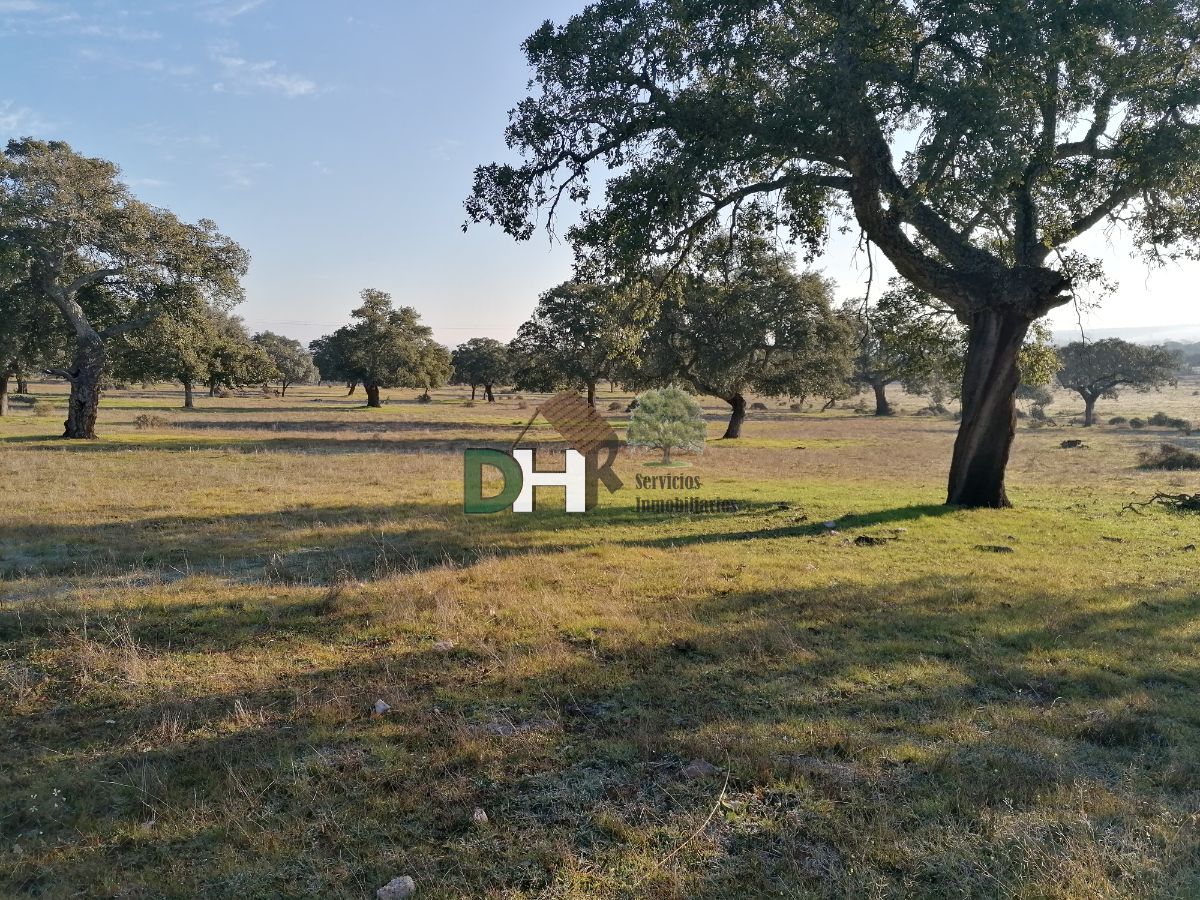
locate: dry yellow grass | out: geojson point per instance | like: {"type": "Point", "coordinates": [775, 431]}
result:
{"type": "Point", "coordinates": [198, 618]}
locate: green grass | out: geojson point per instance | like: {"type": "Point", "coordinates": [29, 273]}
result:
{"type": "Point", "coordinates": [195, 627]}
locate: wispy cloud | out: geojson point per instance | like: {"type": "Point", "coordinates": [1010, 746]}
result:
{"type": "Point", "coordinates": [120, 61]}
{"type": "Point", "coordinates": [244, 76]}
{"type": "Point", "coordinates": [239, 174]}
{"type": "Point", "coordinates": [16, 121]}
{"type": "Point", "coordinates": [224, 13]}
{"type": "Point", "coordinates": [41, 18]}
{"type": "Point", "coordinates": [117, 32]}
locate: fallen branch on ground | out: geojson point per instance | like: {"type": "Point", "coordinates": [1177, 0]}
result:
{"type": "Point", "coordinates": [1176, 502]}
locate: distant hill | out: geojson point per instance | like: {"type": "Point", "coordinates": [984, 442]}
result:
{"type": "Point", "coordinates": [1148, 334]}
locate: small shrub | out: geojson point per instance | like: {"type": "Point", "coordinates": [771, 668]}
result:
{"type": "Point", "coordinates": [42, 408]}
{"type": "Point", "coordinates": [522, 405]}
{"type": "Point", "coordinates": [224, 393]}
{"type": "Point", "coordinates": [470, 404]}
{"type": "Point", "coordinates": [1038, 412]}
{"type": "Point", "coordinates": [797, 407]}
{"type": "Point", "coordinates": [1170, 458]}
{"type": "Point", "coordinates": [146, 422]}
{"type": "Point", "coordinates": [614, 406]}
{"type": "Point", "coordinates": [424, 398]}
{"type": "Point", "coordinates": [1137, 423]}
{"type": "Point", "coordinates": [761, 407]}
{"type": "Point", "coordinates": [1117, 420]}
{"type": "Point", "coordinates": [1159, 420]}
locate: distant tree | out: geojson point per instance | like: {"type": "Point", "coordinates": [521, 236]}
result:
{"type": "Point", "coordinates": [482, 362]}
{"type": "Point", "coordinates": [905, 337]}
{"type": "Point", "coordinates": [234, 360]}
{"type": "Point", "coordinates": [179, 348]}
{"type": "Point", "coordinates": [31, 335]}
{"type": "Point", "coordinates": [106, 262]}
{"type": "Point", "coordinates": [970, 142]}
{"type": "Point", "coordinates": [1098, 369]}
{"type": "Point", "coordinates": [667, 419]}
{"type": "Point", "coordinates": [328, 355]}
{"type": "Point", "coordinates": [383, 347]}
{"type": "Point", "coordinates": [202, 346]}
{"type": "Point", "coordinates": [579, 335]}
{"type": "Point", "coordinates": [741, 320]}
{"type": "Point", "coordinates": [293, 363]}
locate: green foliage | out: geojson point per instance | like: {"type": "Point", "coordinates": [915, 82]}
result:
{"type": "Point", "coordinates": [700, 108]}
{"type": "Point", "coordinates": [481, 362]}
{"type": "Point", "coordinates": [384, 347]}
{"type": "Point", "coordinates": [905, 337]}
{"type": "Point", "coordinates": [740, 319]}
{"type": "Point", "coordinates": [292, 362]}
{"type": "Point", "coordinates": [1100, 368]}
{"type": "Point", "coordinates": [1039, 361]}
{"type": "Point", "coordinates": [104, 258]}
{"type": "Point", "coordinates": [580, 334]}
{"type": "Point", "coordinates": [668, 419]}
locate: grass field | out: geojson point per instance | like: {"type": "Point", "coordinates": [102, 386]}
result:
{"type": "Point", "coordinates": [198, 617]}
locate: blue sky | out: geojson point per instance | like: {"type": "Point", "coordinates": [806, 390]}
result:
{"type": "Point", "coordinates": [336, 142]}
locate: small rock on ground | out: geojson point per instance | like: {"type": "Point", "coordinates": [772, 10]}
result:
{"type": "Point", "coordinates": [397, 889]}
{"type": "Point", "coordinates": [699, 768]}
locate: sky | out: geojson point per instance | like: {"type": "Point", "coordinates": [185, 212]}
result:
{"type": "Point", "coordinates": [336, 142]}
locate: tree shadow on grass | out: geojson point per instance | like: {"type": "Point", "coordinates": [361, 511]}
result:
{"type": "Point", "coordinates": [871, 743]}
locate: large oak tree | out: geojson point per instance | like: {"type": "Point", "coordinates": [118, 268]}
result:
{"type": "Point", "coordinates": [970, 142]}
{"type": "Point", "coordinates": [105, 261]}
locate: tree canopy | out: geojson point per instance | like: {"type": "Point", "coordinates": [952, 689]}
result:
{"type": "Point", "coordinates": [105, 261]}
{"type": "Point", "coordinates": [293, 363]}
{"type": "Point", "coordinates": [384, 347]}
{"type": "Point", "coordinates": [1099, 369]}
{"type": "Point", "coordinates": [904, 338]}
{"type": "Point", "coordinates": [738, 320]}
{"type": "Point", "coordinates": [482, 362]}
{"type": "Point", "coordinates": [580, 334]}
{"type": "Point", "coordinates": [970, 143]}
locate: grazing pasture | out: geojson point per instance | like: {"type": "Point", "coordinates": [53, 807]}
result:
{"type": "Point", "coordinates": [200, 610]}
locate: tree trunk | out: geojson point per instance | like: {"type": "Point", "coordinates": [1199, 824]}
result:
{"type": "Point", "coordinates": [734, 429]}
{"type": "Point", "coordinates": [212, 389]}
{"type": "Point", "coordinates": [882, 407]}
{"type": "Point", "coordinates": [666, 456]}
{"type": "Point", "coordinates": [473, 389]}
{"type": "Point", "coordinates": [591, 393]}
{"type": "Point", "coordinates": [84, 404]}
{"type": "Point", "coordinates": [487, 391]}
{"type": "Point", "coordinates": [22, 383]}
{"type": "Point", "coordinates": [373, 396]}
{"type": "Point", "coordinates": [353, 387]}
{"type": "Point", "coordinates": [283, 388]}
{"type": "Point", "coordinates": [4, 376]}
{"type": "Point", "coordinates": [189, 400]}
{"type": "Point", "coordinates": [1089, 410]}
{"type": "Point", "coordinates": [989, 409]}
